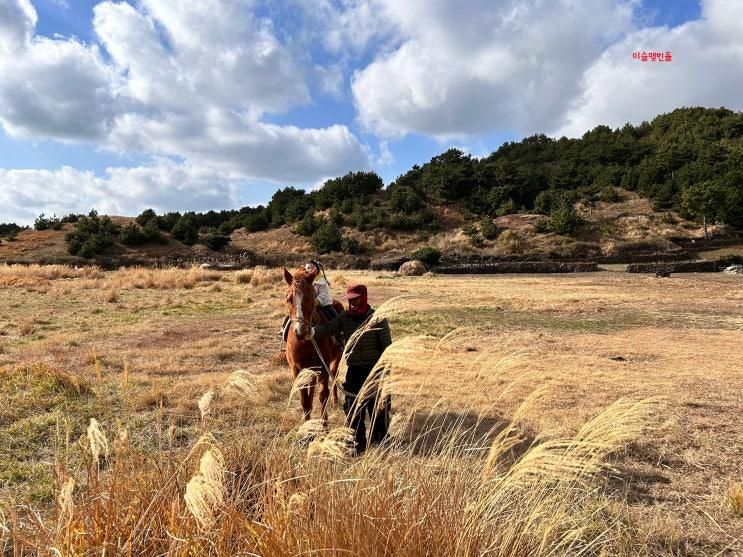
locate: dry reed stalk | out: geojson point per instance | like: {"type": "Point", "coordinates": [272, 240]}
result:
{"type": "Point", "coordinates": [309, 430]}
{"type": "Point", "coordinates": [337, 444]}
{"type": "Point", "coordinates": [125, 376]}
{"type": "Point", "coordinates": [65, 502]}
{"type": "Point", "coordinates": [305, 379]}
{"type": "Point", "coordinates": [242, 382]}
{"type": "Point", "coordinates": [735, 496]}
{"type": "Point", "coordinates": [205, 490]}
{"type": "Point", "coordinates": [97, 441]}
{"type": "Point", "coordinates": [98, 369]}
{"type": "Point", "coordinates": [205, 403]}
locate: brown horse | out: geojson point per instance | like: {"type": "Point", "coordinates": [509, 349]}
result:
{"type": "Point", "coordinates": [300, 352]}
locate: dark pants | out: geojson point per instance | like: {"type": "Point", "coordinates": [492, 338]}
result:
{"type": "Point", "coordinates": [377, 409]}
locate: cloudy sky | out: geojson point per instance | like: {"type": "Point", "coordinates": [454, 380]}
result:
{"type": "Point", "coordinates": [201, 104]}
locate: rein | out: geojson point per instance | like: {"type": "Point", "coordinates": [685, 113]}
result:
{"type": "Point", "coordinates": [303, 321]}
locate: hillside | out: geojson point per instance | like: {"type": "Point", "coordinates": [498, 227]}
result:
{"type": "Point", "coordinates": [623, 229]}
{"type": "Point", "coordinates": [644, 189]}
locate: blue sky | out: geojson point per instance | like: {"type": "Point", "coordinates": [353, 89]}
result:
{"type": "Point", "coordinates": [218, 103]}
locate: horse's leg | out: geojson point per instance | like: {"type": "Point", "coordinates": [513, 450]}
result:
{"type": "Point", "coordinates": [306, 395]}
{"type": "Point", "coordinates": [324, 394]}
{"type": "Point", "coordinates": [333, 377]}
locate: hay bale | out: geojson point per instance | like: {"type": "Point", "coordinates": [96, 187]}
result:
{"type": "Point", "coordinates": [413, 268]}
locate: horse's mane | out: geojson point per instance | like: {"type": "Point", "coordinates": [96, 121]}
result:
{"type": "Point", "coordinates": [301, 274]}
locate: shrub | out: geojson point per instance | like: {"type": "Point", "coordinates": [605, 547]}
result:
{"type": "Point", "coordinates": [469, 230]}
{"type": "Point", "coordinates": [668, 218]}
{"type": "Point", "coordinates": [71, 218]}
{"type": "Point", "coordinates": [146, 216]}
{"type": "Point", "coordinates": [542, 226]}
{"type": "Point", "coordinates": [488, 229]}
{"type": "Point", "coordinates": [256, 222]}
{"type": "Point", "coordinates": [308, 225]}
{"type": "Point", "coordinates": [401, 221]}
{"type": "Point", "coordinates": [511, 242]}
{"type": "Point", "coordinates": [151, 233]}
{"type": "Point", "coordinates": [336, 216]}
{"type": "Point", "coordinates": [564, 220]}
{"type": "Point", "coordinates": [9, 231]}
{"type": "Point", "coordinates": [608, 195]}
{"type": "Point", "coordinates": [327, 238]}
{"type": "Point", "coordinates": [186, 230]}
{"type": "Point", "coordinates": [378, 218]}
{"type": "Point", "coordinates": [168, 221]}
{"type": "Point", "coordinates": [428, 255]}
{"type": "Point", "coordinates": [508, 207]}
{"type": "Point", "coordinates": [131, 235]}
{"type": "Point", "coordinates": [216, 241]}
{"type": "Point", "coordinates": [477, 241]}
{"type": "Point", "coordinates": [351, 246]}
{"type": "Point", "coordinates": [43, 222]}
{"type": "Point", "coordinates": [92, 235]}
{"type": "Point", "coordinates": [405, 200]}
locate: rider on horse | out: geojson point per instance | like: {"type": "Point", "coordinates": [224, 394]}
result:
{"type": "Point", "coordinates": [316, 274]}
{"type": "Point", "coordinates": [322, 288]}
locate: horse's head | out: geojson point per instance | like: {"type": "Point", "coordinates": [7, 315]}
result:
{"type": "Point", "coordinates": [300, 298]}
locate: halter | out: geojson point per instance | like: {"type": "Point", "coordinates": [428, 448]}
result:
{"type": "Point", "coordinates": [302, 320]}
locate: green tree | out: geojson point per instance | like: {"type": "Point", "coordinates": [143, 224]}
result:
{"type": "Point", "coordinates": [146, 216]}
{"type": "Point", "coordinates": [186, 230]}
{"type": "Point", "coordinates": [327, 238]}
{"type": "Point", "coordinates": [703, 201]}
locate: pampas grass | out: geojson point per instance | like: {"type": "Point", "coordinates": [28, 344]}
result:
{"type": "Point", "coordinates": [205, 490]}
{"type": "Point", "coordinates": [437, 487]}
{"type": "Point", "coordinates": [205, 403]}
{"type": "Point", "coordinates": [97, 441]}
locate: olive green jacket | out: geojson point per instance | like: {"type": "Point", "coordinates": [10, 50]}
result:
{"type": "Point", "coordinates": [370, 345]}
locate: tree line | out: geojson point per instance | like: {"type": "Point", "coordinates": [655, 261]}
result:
{"type": "Point", "coordinates": [690, 160]}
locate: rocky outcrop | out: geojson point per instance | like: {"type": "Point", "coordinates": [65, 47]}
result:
{"type": "Point", "coordinates": [413, 268]}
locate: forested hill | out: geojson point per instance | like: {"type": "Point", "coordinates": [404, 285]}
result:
{"type": "Point", "coordinates": [690, 160]}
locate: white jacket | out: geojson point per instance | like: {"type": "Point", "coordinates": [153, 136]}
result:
{"type": "Point", "coordinates": [322, 290]}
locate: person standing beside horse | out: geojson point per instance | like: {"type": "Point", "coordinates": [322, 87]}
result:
{"type": "Point", "coordinates": [361, 361]}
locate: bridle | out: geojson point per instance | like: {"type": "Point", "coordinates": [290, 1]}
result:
{"type": "Point", "coordinates": [301, 320]}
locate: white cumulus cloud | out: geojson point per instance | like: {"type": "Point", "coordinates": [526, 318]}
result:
{"type": "Point", "coordinates": [163, 186]}
{"type": "Point", "coordinates": [706, 70]}
{"type": "Point", "coordinates": [469, 68]}
{"type": "Point", "coordinates": [195, 80]}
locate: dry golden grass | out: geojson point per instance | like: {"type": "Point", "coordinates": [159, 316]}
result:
{"type": "Point", "coordinates": [736, 498]}
{"type": "Point", "coordinates": [533, 415]}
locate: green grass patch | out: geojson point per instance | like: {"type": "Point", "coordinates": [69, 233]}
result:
{"type": "Point", "coordinates": [440, 321]}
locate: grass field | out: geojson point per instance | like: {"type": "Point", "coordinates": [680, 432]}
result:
{"type": "Point", "coordinates": [593, 414]}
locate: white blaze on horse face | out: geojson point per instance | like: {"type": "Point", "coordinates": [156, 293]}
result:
{"type": "Point", "coordinates": [299, 323]}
